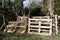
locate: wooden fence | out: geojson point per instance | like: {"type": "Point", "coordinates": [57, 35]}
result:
{"type": "Point", "coordinates": [41, 26]}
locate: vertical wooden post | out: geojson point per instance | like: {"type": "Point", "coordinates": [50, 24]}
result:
{"type": "Point", "coordinates": [28, 25]}
{"type": "Point", "coordinates": [39, 26]}
{"type": "Point", "coordinates": [56, 24]}
{"type": "Point", "coordinates": [51, 28]}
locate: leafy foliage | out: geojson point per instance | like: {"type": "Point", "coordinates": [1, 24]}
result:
{"type": "Point", "coordinates": [36, 9]}
{"type": "Point", "coordinates": [57, 6]}
{"type": "Point", "coordinates": [45, 6]}
{"type": "Point", "coordinates": [17, 6]}
{"type": "Point", "coordinates": [8, 6]}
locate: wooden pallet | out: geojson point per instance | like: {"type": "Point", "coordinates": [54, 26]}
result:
{"type": "Point", "coordinates": [40, 26]}
{"type": "Point", "coordinates": [21, 23]}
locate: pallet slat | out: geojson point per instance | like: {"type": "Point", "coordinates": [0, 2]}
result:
{"type": "Point", "coordinates": [45, 27]}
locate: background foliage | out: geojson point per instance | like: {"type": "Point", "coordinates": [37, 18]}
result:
{"type": "Point", "coordinates": [57, 6]}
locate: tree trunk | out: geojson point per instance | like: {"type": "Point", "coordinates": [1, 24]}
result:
{"type": "Point", "coordinates": [3, 22]}
{"type": "Point", "coordinates": [51, 7]}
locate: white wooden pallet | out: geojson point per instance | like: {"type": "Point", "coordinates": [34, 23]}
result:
{"type": "Point", "coordinates": [36, 23]}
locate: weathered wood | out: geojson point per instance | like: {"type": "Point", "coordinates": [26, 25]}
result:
{"type": "Point", "coordinates": [51, 28]}
{"type": "Point", "coordinates": [46, 34]}
{"type": "Point", "coordinates": [39, 26]}
{"type": "Point", "coordinates": [58, 17]}
{"type": "Point", "coordinates": [23, 31]}
{"type": "Point", "coordinates": [45, 27]}
{"type": "Point", "coordinates": [10, 25]}
{"type": "Point", "coordinates": [20, 23]}
{"type": "Point", "coordinates": [56, 24]}
{"type": "Point", "coordinates": [36, 25]}
{"type": "Point", "coordinates": [45, 30]}
{"type": "Point", "coordinates": [41, 17]}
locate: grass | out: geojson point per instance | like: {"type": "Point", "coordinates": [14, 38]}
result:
{"type": "Point", "coordinates": [19, 37]}
{"type": "Point", "coordinates": [27, 37]}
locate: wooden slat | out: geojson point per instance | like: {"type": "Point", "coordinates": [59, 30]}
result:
{"type": "Point", "coordinates": [41, 19]}
{"type": "Point", "coordinates": [33, 33]}
{"type": "Point", "coordinates": [33, 29]}
{"type": "Point", "coordinates": [41, 23]}
{"type": "Point", "coordinates": [46, 34]}
{"type": "Point", "coordinates": [45, 27]}
{"type": "Point", "coordinates": [10, 25]}
{"type": "Point", "coordinates": [58, 17]}
{"type": "Point", "coordinates": [34, 26]}
{"type": "Point", "coordinates": [45, 23]}
{"type": "Point", "coordinates": [12, 22]}
{"type": "Point", "coordinates": [9, 31]}
{"type": "Point", "coordinates": [34, 22]}
{"type": "Point", "coordinates": [44, 30]}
